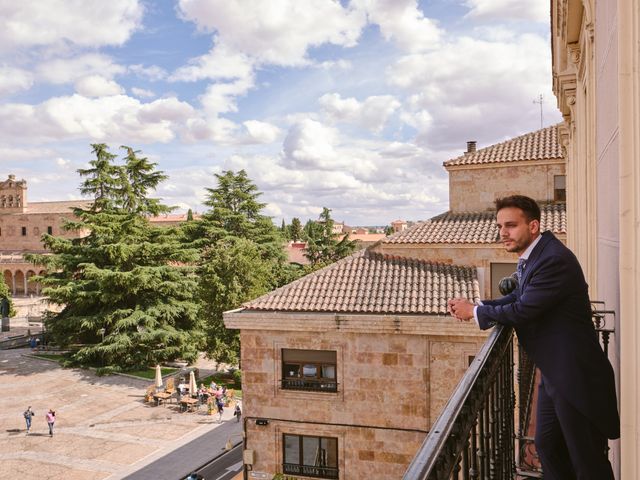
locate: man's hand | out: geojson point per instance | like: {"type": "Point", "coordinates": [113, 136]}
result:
{"type": "Point", "coordinates": [461, 308]}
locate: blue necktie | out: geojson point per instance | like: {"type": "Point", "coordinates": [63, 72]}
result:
{"type": "Point", "coordinates": [520, 270]}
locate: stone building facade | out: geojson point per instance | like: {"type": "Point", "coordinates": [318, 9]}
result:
{"type": "Point", "coordinates": [21, 227]}
{"type": "Point", "coordinates": [355, 361]}
{"type": "Point", "coordinates": [596, 79]}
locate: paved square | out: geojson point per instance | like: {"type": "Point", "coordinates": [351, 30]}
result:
{"type": "Point", "coordinates": [103, 429]}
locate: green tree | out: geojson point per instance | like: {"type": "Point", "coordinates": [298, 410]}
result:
{"type": "Point", "coordinates": [295, 229]}
{"type": "Point", "coordinates": [126, 287]}
{"type": "Point", "coordinates": [242, 257]}
{"type": "Point", "coordinates": [5, 293]}
{"type": "Point", "coordinates": [323, 246]}
{"type": "Point", "coordinates": [189, 215]}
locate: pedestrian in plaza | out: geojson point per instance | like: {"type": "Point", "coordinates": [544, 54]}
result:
{"type": "Point", "coordinates": [237, 412]}
{"type": "Point", "coordinates": [220, 405]}
{"type": "Point", "coordinates": [51, 419]}
{"type": "Point", "coordinates": [28, 415]}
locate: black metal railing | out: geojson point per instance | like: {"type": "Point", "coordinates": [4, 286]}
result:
{"type": "Point", "coordinates": [309, 385]}
{"type": "Point", "coordinates": [473, 436]}
{"type": "Point", "coordinates": [310, 470]}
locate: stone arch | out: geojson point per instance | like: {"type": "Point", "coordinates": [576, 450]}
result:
{"type": "Point", "coordinates": [20, 283]}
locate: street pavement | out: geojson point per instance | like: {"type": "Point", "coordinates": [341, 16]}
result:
{"type": "Point", "coordinates": [195, 454]}
{"type": "Point", "coordinates": [103, 430]}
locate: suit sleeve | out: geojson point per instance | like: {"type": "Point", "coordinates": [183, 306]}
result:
{"type": "Point", "coordinates": [551, 281]}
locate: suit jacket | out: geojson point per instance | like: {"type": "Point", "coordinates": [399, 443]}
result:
{"type": "Point", "coordinates": [551, 313]}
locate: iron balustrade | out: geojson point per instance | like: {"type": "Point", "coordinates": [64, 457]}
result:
{"type": "Point", "coordinates": [474, 436]}
{"type": "Point", "coordinates": [310, 470]}
{"type": "Point", "coordinates": [309, 385]}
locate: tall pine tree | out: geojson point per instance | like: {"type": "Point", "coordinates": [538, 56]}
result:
{"type": "Point", "coordinates": [242, 257]}
{"type": "Point", "coordinates": [126, 287]}
{"type": "Point", "coordinates": [323, 246]}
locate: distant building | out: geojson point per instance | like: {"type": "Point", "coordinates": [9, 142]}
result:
{"type": "Point", "coordinates": [22, 224]}
{"type": "Point", "coordinates": [399, 226]}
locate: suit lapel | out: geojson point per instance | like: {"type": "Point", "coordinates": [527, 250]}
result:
{"type": "Point", "coordinates": [534, 257]}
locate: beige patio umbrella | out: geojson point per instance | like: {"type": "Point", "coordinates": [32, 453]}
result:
{"type": "Point", "coordinates": [193, 387]}
{"type": "Point", "coordinates": [158, 377]}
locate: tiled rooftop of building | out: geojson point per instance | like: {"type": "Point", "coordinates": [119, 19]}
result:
{"type": "Point", "coordinates": [477, 227]}
{"type": "Point", "coordinates": [539, 145]}
{"type": "Point", "coordinates": [65, 206]}
{"type": "Point", "coordinates": [367, 282]}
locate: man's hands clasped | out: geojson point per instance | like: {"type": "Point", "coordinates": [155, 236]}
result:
{"type": "Point", "coordinates": [461, 308]}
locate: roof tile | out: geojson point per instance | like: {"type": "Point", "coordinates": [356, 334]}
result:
{"type": "Point", "coordinates": [368, 282]}
{"type": "Point", "coordinates": [539, 145]}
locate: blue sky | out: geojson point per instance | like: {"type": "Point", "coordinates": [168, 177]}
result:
{"type": "Point", "coordinates": [352, 105]}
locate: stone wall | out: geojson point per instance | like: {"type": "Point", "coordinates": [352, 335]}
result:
{"type": "Point", "coordinates": [35, 224]}
{"type": "Point", "coordinates": [391, 389]}
{"type": "Point", "coordinates": [473, 189]}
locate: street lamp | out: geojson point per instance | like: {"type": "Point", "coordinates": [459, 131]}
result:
{"type": "Point", "coordinates": [102, 331]}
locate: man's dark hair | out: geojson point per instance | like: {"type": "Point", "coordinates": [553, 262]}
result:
{"type": "Point", "coordinates": [528, 205]}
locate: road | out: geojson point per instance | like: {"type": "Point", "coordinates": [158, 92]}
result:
{"type": "Point", "coordinates": [225, 467]}
{"type": "Point", "coordinates": [193, 455]}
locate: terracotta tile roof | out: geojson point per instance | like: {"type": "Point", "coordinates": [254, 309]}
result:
{"type": "Point", "coordinates": [539, 145]}
{"type": "Point", "coordinates": [367, 282]}
{"type": "Point", "coordinates": [479, 227]}
{"type": "Point", "coordinates": [55, 207]}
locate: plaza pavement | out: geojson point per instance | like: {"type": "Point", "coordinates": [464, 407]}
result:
{"type": "Point", "coordinates": [103, 428]}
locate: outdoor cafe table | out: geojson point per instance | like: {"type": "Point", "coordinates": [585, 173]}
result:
{"type": "Point", "coordinates": [161, 397]}
{"type": "Point", "coordinates": [189, 403]}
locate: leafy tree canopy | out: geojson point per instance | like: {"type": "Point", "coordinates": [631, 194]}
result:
{"type": "Point", "coordinates": [126, 287]}
{"type": "Point", "coordinates": [323, 246]}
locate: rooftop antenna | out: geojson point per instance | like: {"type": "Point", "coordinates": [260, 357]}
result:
{"type": "Point", "coordinates": [540, 100]}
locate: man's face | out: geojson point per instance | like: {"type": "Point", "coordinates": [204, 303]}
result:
{"type": "Point", "coordinates": [516, 233]}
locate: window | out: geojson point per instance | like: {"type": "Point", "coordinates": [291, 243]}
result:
{"type": "Point", "coordinates": [50, 230]}
{"type": "Point", "coordinates": [560, 188]}
{"type": "Point", "coordinates": [24, 231]}
{"type": "Point", "coordinates": [310, 456]}
{"type": "Point", "coordinates": [309, 370]}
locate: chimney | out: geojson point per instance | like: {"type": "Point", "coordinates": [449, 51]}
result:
{"type": "Point", "coordinates": [471, 146]}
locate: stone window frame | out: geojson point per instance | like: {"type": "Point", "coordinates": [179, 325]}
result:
{"type": "Point", "coordinates": [330, 471]}
{"type": "Point", "coordinates": [559, 192]}
{"type": "Point", "coordinates": [302, 394]}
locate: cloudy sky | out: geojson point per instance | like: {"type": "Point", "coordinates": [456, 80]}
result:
{"type": "Point", "coordinates": [350, 104]}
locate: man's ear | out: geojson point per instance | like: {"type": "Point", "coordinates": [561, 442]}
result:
{"type": "Point", "coordinates": [534, 226]}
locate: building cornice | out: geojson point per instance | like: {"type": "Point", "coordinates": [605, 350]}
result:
{"type": "Point", "coordinates": [350, 323]}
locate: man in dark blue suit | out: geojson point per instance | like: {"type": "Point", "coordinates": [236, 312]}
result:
{"type": "Point", "coordinates": [550, 310]}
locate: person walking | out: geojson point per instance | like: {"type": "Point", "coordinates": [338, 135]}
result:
{"type": "Point", "coordinates": [237, 412]}
{"type": "Point", "coordinates": [28, 415]}
{"type": "Point", "coordinates": [577, 410]}
{"type": "Point", "coordinates": [51, 420]}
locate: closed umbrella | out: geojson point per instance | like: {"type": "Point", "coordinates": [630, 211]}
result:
{"type": "Point", "coordinates": [193, 387]}
{"type": "Point", "coordinates": [158, 377]}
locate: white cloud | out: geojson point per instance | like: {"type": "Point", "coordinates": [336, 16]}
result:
{"type": "Point", "coordinates": [470, 86]}
{"type": "Point", "coordinates": [221, 97]}
{"type": "Point", "coordinates": [14, 80]}
{"type": "Point", "coordinates": [68, 70]}
{"type": "Point", "coordinates": [82, 23]}
{"type": "Point", "coordinates": [142, 93]}
{"type": "Point", "coordinates": [97, 86]}
{"type": "Point", "coordinates": [279, 31]}
{"type": "Point", "coordinates": [220, 63]}
{"type": "Point", "coordinates": [153, 73]}
{"type": "Point", "coordinates": [371, 114]}
{"type": "Point", "coordinates": [63, 163]}
{"type": "Point", "coordinates": [309, 144]}
{"type": "Point", "coordinates": [536, 10]}
{"type": "Point", "coordinates": [261, 132]}
{"type": "Point", "coordinates": [402, 22]}
{"type": "Point", "coordinates": [115, 118]}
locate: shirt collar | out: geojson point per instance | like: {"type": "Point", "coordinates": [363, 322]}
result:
{"type": "Point", "coordinates": [527, 252]}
